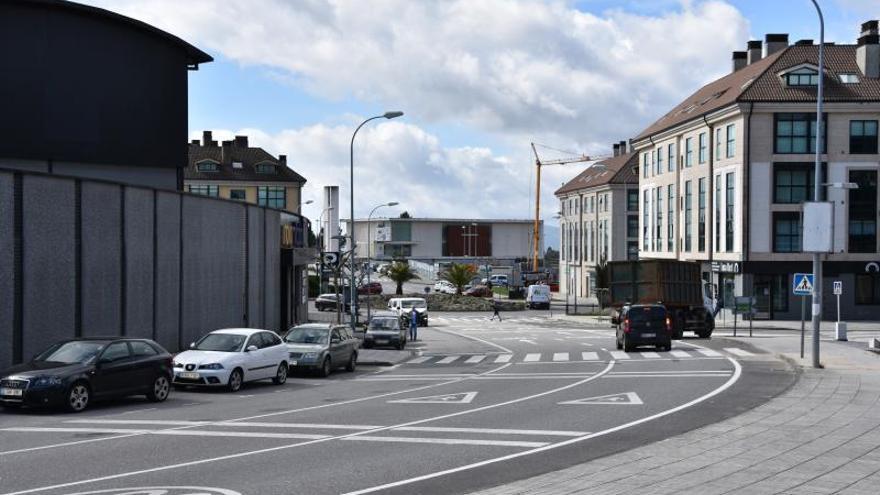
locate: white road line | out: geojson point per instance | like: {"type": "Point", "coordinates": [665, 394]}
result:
{"type": "Point", "coordinates": [494, 431]}
{"type": "Point", "coordinates": [619, 354]}
{"type": "Point", "coordinates": [182, 433]}
{"type": "Point", "coordinates": [650, 355]}
{"type": "Point", "coordinates": [737, 351]}
{"type": "Point", "coordinates": [420, 359]}
{"type": "Point", "coordinates": [476, 339]}
{"type": "Point", "coordinates": [709, 352]}
{"type": "Point", "coordinates": [503, 358]}
{"type": "Point", "coordinates": [678, 375]}
{"type": "Point", "coordinates": [532, 357]}
{"type": "Point", "coordinates": [448, 359]}
{"type": "Point", "coordinates": [160, 422]}
{"type": "Point", "coordinates": [679, 354]}
{"type": "Point", "coordinates": [589, 356]}
{"type": "Point", "coordinates": [447, 441]}
{"type": "Point", "coordinates": [475, 359]}
{"type": "Point", "coordinates": [560, 356]}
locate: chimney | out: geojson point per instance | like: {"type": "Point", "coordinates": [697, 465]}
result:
{"type": "Point", "coordinates": [804, 42]}
{"type": "Point", "coordinates": [282, 159]}
{"type": "Point", "coordinates": [207, 139]}
{"type": "Point", "coordinates": [616, 149]}
{"type": "Point", "coordinates": [775, 43]}
{"type": "Point", "coordinates": [241, 142]}
{"type": "Point", "coordinates": [739, 60]}
{"type": "Point", "coordinates": [225, 144]}
{"type": "Point", "coordinates": [195, 142]}
{"type": "Point", "coordinates": [623, 147]}
{"type": "Point", "coordinates": [868, 50]}
{"type": "Point", "coordinates": [754, 48]}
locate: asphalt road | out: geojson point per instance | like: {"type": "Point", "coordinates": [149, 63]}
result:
{"type": "Point", "coordinates": [478, 403]}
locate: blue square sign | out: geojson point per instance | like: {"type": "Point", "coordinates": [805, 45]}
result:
{"type": "Point", "coordinates": [802, 284]}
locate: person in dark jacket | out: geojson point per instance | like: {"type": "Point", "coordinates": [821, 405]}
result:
{"type": "Point", "coordinates": [495, 308]}
{"type": "Point", "coordinates": [413, 324]}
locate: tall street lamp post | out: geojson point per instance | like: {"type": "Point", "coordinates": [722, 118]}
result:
{"type": "Point", "coordinates": [353, 289]}
{"type": "Point", "coordinates": [817, 260]}
{"type": "Point", "coordinates": [370, 246]}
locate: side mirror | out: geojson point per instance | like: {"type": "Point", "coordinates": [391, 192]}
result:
{"type": "Point", "coordinates": [192, 345]}
{"type": "Point", "coordinates": [335, 341]}
{"type": "Point", "coordinates": [251, 348]}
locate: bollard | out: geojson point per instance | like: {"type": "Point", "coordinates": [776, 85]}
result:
{"type": "Point", "coordinates": [840, 330]}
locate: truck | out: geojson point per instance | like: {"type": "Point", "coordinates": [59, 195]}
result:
{"type": "Point", "coordinates": [678, 285]}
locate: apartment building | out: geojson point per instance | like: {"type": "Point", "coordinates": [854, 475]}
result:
{"type": "Point", "coordinates": [724, 174]}
{"type": "Point", "coordinates": [235, 170]}
{"type": "Point", "coordinates": [598, 220]}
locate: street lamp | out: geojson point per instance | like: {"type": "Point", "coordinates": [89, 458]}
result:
{"type": "Point", "coordinates": [370, 246]}
{"type": "Point", "coordinates": [386, 115]}
{"type": "Point", "coordinates": [817, 260]}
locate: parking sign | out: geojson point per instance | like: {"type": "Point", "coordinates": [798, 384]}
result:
{"type": "Point", "coordinates": [838, 287]}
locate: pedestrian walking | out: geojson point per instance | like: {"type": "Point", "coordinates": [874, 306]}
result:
{"type": "Point", "coordinates": [495, 309]}
{"type": "Point", "coordinates": [413, 324]}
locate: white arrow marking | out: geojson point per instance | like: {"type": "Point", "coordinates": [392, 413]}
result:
{"type": "Point", "coordinates": [624, 399]}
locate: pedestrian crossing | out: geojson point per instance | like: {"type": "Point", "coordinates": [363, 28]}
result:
{"type": "Point", "coordinates": [446, 319]}
{"type": "Point", "coordinates": [570, 357]}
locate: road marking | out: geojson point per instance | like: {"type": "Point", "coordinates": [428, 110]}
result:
{"type": "Point", "coordinates": [494, 431]}
{"type": "Point", "coordinates": [532, 357]}
{"type": "Point", "coordinates": [447, 441]}
{"type": "Point", "coordinates": [650, 355]}
{"type": "Point", "coordinates": [182, 433]}
{"type": "Point", "coordinates": [503, 358]}
{"type": "Point", "coordinates": [709, 352]}
{"type": "Point", "coordinates": [560, 356]}
{"type": "Point", "coordinates": [418, 360]}
{"type": "Point", "coordinates": [738, 351]}
{"type": "Point", "coordinates": [475, 359]}
{"type": "Point", "coordinates": [619, 354]}
{"type": "Point", "coordinates": [622, 399]}
{"type": "Point", "coordinates": [161, 422]}
{"type": "Point", "coordinates": [459, 398]}
{"type": "Point", "coordinates": [590, 356]}
{"type": "Point", "coordinates": [528, 341]}
{"type": "Point", "coordinates": [680, 354]}
{"type": "Point", "coordinates": [448, 359]}
{"type": "Point", "coordinates": [670, 375]}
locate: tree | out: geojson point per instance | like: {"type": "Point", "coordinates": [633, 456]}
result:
{"type": "Point", "coordinates": [551, 257]}
{"type": "Point", "coordinates": [400, 272]}
{"type": "Point", "coordinates": [405, 214]}
{"type": "Point", "coordinates": [458, 275]}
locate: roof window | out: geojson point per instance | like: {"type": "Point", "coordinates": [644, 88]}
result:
{"type": "Point", "coordinates": [236, 165]}
{"type": "Point", "coordinates": [802, 77]}
{"type": "Point", "coordinates": [207, 166]}
{"type": "Point", "coordinates": [265, 168]}
{"type": "Point", "coordinates": [848, 78]}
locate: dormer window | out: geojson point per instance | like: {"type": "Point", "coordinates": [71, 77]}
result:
{"type": "Point", "coordinates": [849, 78]}
{"type": "Point", "coordinates": [265, 168]}
{"type": "Point", "coordinates": [207, 166]}
{"type": "Point", "coordinates": [236, 165]}
{"type": "Point", "coordinates": [802, 77]}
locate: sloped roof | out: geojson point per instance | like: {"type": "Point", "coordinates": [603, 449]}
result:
{"type": "Point", "coordinates": [248, 157]}
{"type": "Point", "coordinates": [617, 170]}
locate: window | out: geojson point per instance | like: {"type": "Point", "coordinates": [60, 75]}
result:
{"type": "Point", "coordinates": [605, 243]}
{"type": "Point", "coordinates": [863, 137]}
{"type": "Point", "coordinates": [265, 168]}
{"type": "Point", "coordinates": [659, 160]}
{"type": "Point", "coordinates": [670, 157]}
{"type": "Point", "coordinates": [237, 165]}
{"type": "Point", "coordinates": [868, 288]}
{"type": "Point", "coordinates": [207, 166]}
{"type": "Point", "coordinates": [849, 78]}
{"type": "Point", "coordinates": [731, 141]}
{"type": "Point", "coordinates": [793, 182]}
{"type": "Point", "coordinates": [605, 197]}
{"type": "Point", "coordinates": [688, 152]}
{"type": "Point", "coordinates": [786, 232]}
{"type": "Point", "coordinates": [593, 204]}
{"type": "Point", "coordinates": [688, 193]}
{"type": "Point", "coordinates": [702, 145]}
{"type": "Point", "coordinates": [116, 351]}
{"type": "Point", "coordinates": [729, 205]}
{"type": "Point", "coordinates": [238, 194]}
{"type": "Point", "coordinates": [802, 77]}
{"type": "Point", "coordinates": [863, 212]}
{"type": "Point", "coordinates": [796, 133]}
{"type": "Point", "coordinates": [632, 250]}
{"type": "Point", "coordinates": [271, 196]}
{"type": "Point", "coordinates": [645, 162]}
{"type": "Point", "coordinates": [701, 215]}
{"type": "Point", "coordinates": [717, 213]}
{"type": "Point", "coordinates": [139, 348]}
{"type": "Point", "coordinates": [632, 226]}
{"type": "Point", "coordinates": [658, 216]}
{"type": "Point", "coordinates": [670, 217]}
{"type": "Point", "coordinates": [717, 144]}
{"type": "Point", "coordinates": [645, 217]}
{"type": "Point", "coordinates": [213, 191]}
{"type": "Point", "coordinates": [632, 200]}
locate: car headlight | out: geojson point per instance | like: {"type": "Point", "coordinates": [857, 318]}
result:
{"type": "Point", "coordinates": [212, 366]}
{"type": "Point", "coordinates": [310, 355]}
{"type": "Point", "coordinates": [178, 365]}
{"type": "Point", "coordinates": [46, 381]}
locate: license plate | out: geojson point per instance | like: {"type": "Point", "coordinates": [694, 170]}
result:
{"type": "Point", "coordinates": [648, 335]}
{"type": "Point", "coordinates": [293, 363]}
{"type": "Point", "coordinates": [189, 375]}
{"type": "Point", "coordinates": [11, 392]}
{"type": "Point", "coordinates": [382, 341]}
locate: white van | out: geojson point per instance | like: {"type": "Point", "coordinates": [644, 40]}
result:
{"type": "Point", "coordinates": [538, 297]}
{"type": "Point", "coordinates": [402, 306]}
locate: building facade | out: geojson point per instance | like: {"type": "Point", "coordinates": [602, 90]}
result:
{"type": "Point", "coordinates": [234, 170]}
{"type": "Point", "coordinates": [598, 220]}
{"type": "Point", "coordinates": [724, 175]}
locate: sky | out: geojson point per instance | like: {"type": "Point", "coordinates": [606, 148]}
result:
{"type": "Point", "coordinates": [478, 80]}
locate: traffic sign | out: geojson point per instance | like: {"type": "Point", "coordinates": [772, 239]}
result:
{"type": "Point", "coordinates": [331, 258]}
{"type": "Point", "coordinates": [802, 284]}
{"type": "Point", "coordinates": [838, 287]}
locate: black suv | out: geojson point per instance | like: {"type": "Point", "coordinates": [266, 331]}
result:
{"type": "Point", "coordinates": [644, 324]}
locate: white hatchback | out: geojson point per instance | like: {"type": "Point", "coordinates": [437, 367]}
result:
{"type": "Point", "coordinates": [230, 357]}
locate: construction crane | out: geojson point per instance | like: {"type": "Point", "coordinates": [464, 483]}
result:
{"type": "Point", "coordinates": [538, 164]}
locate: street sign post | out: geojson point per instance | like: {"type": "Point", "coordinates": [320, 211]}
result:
{"type": "Point", "coordinates": [802, 285]}
{"type": "Point", "coordinates": [743, 305]}
{"type": "Point", "coordinates": [839, 327]}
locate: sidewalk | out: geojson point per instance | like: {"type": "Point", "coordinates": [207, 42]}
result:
{"type": "Point", "coordinates": [821, 436]}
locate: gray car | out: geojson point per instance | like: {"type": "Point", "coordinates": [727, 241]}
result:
{"type": "Point", "coordinates": [322, 348]}
{"type": "Point", "coordinates": [385, 330]}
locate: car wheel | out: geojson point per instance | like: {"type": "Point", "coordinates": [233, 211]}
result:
{"type": "Point", "coordinates": [325, 368]}
{"type": "Point", "coordinates": [280, 375]}
{"type": "Point", "coordinates": [627, 347]}
{"type": "Point", "coordinates": [352, 362]}
{"type": "Point", "coordinates": [368, 346]}
{"type": "Point", "coordinates": [619, 345]}
{"type": "Point", "coordinates": [78, 397]}
{"type": "Point", "coordinates": [235, 380]}
{"type": "Point", "coordinates": [400, 345]}
{"type": "Point", "coordinates": [159, 391]}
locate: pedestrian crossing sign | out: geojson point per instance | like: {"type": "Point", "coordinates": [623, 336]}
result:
{"type": "Point", "coordinates": [802, 284]}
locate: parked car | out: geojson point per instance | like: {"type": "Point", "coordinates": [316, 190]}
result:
{"type": "Point", "coordinates": [444, 287]}
{"type": "Point", "coordinates": [402, 306]}
{"type": "Point", "coordinates": [479, 291]}
{"type": "Point", "coordinates": [321, 347]}
{"type": "Point", "coordinates": [499, 279]}
{"type": "Point", "coordinates": [385, 329]}
{"type": "Point", "coordinates": [538, 297]}
{"type": "Point", "coordinates": [73, 373]}
{"type": "Point", "coordinates": [644, 324]}
{"type": "Point", "coordinates": [231, 357]}
{"type": "Point", "coordinates": [329, 302]}
{"type": "Point", "coordinates": [370, 288]}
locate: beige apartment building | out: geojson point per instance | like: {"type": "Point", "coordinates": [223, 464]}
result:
{"type": "Point", "coordinates": [724, 174]}
{"type": "Point", "coordinates": [234, 170]}
{"type": "Point", "coordinates": [598, 220]}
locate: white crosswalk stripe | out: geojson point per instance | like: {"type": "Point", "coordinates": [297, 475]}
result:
{"type": "Point", "coordinates": [504, 358]}
{"type": "Point", "coordinates": [566, 357]}
{"type": "Point", "coordinates": [651, 355]}
{"type": "Point", "coordinates": [619, 355]}
{"type": "Point", "coordinates": [448, 359]}
{"type": "Point", "coordinates": [709, 352]}
{"type": "Point", "coordinates": [475, 359]}
{"type": "Point", "coordinates": [532, 358]}
{"type": "Point", "coordinates": [738, 352]}
{"type": "Point", "coordinates": [560, 356]}
{"type": "Point", "coordinates": [590, 356]}
{"type": "Point", "coordinates": [418, 360]}
{"type": "Point", "coordinates": [680, 354]}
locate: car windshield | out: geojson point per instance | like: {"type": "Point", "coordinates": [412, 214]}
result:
{"type": "Point", "coordinates": [414, 303]}
{"type": "Point", "coordinates": [72, 352]}
{"type": "Point", "coordinates": [307, 335]}
{"type": "Point", "coordinates": [646, 313]}
{"type": "Point", "coordinates": [386, 324]}
{"type": "Point", "coordinates": [223, 342]}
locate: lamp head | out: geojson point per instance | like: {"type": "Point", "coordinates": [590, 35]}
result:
{"type": "Point", "coordinates": [392, 115]}
{"type": "Point", "coordinates": [308, 202]}
{"type": "Point", "coordinates": [393, 203]}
